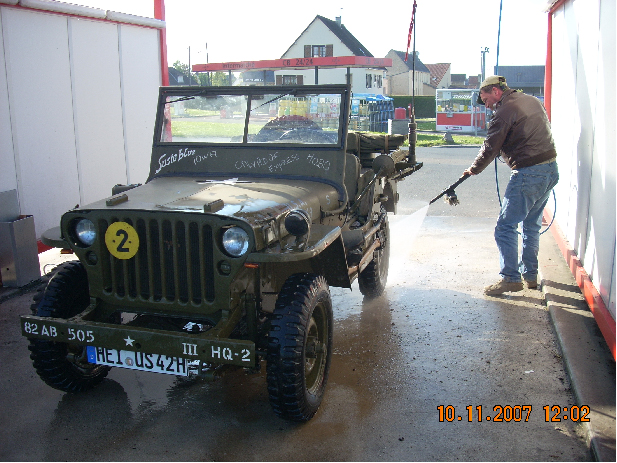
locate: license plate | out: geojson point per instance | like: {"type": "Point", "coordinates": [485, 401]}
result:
{"type": "Point", "coordinates": [141, 361]}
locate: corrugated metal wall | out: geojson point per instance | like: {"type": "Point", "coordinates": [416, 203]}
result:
{"type": "Point", "coordinates": [77, 108]}
{"type": "Point", "coordinates": [583, 121]}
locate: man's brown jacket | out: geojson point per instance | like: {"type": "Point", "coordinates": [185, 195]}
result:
{"type": "Point", "coordinates": [519, 131]}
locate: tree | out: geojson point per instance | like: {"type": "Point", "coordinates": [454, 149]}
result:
{"type": "Point", "coordinates": [217, 79]}
{"type": "Point", "coordinates": [220, 78]}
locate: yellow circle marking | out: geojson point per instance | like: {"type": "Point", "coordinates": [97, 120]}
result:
{"type": "Point", "coordinates": [122, 240]}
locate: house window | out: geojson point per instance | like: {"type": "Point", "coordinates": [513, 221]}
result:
{"type": "Point", "coordinates": [369, 81]}
{"type": "Point", "coordinates": [290, 80]}
{"type": "Point", "coordinates": [319, 51]}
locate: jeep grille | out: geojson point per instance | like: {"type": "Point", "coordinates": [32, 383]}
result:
{"type": "Point", "coordinates": [173, 263]}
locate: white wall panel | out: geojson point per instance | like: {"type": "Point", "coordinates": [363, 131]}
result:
{"type": "Point", "coordinates": [141, 77]}
{"type": "Point", "coordinates": [77, 108]}
{"type": "Point", "coordinates": [40, 98]}
{"type": "Point", "coordinates": [583, 120]}
{"type": "Point", "coordinates": [8, 175]}
{"type": "Point", "coordinates": [599, 260]}
{"type": "Point", "coordinates": [564, 120]}
{"type": "Point", "coordinates": [97, 105]}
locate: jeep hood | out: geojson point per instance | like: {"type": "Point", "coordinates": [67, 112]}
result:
{"type": "Point", "coordinates": [250, 199]}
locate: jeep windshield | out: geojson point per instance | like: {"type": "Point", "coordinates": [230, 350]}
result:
{"type": "Point", "coordinates": [251, 115]}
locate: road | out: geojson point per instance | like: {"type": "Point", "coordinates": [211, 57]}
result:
{"type": "Point", "coordinates": [431, 344]}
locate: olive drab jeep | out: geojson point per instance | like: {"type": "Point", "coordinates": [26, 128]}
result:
{"type": "Point", "coordinates": [257, 201]}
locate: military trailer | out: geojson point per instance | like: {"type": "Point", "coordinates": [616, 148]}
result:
{"type": "Point", "coordinates": [257, 201]}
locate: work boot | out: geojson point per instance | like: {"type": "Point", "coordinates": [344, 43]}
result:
{"type": "Point", "coordinates": [503, 286]}
{"type": "Point", "coordinates": [531, 284]}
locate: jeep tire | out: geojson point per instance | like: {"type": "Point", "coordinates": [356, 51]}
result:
{"type": "Point", "coordinates": [300, 347]}
{"type": "Point", "coordinates": [58, 364]}
{"type": "Point", "coordinates": [372, 280]}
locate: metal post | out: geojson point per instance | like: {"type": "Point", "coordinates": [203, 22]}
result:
{"type": "Point", "coordinates": [483, 63]}
{"type": "Point", "coordinates": [498, 37]}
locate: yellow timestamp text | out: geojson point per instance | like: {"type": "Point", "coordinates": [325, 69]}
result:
{"type": "Point", "coordinates": [508, 413]}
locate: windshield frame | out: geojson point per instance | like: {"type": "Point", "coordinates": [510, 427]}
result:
{"type": "Point", "coordinates": [252, 94]}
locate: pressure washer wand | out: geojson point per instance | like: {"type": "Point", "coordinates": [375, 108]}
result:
{"type": "Point", "coordinates": [451, 198]}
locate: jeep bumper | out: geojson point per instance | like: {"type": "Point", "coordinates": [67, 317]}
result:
{"type": "Point", "coordinates": [201, 347]}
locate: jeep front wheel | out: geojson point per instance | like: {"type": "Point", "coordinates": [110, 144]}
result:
{"type": "Point", "coordinates": [372, 280]}
{"type": "Point", "coordinates": [300, 347]}
{"type": "Point", "coordinates": [60, 365]}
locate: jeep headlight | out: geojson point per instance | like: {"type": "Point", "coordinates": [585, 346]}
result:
{"type": "Point", "coordinates": [235, 241]}
{"type": "Point", "coordinates": [85, 232]}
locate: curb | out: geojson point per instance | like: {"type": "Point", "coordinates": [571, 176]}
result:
{"type": "Point", "coordinates": [587, 358]}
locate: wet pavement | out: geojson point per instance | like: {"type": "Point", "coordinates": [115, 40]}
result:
{"type": "Point", "coordinates": [431, 344]}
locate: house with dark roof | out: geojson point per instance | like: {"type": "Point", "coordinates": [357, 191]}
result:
{"type": "Point", "coordinates": [178, 78]}
{"type": "Point", "coordinates": [440, 75]}
{"type": "Point", "coordinates": [324, 37]}
{"type": "Point", "coordinates": [400, 76]}
{"type": "Point", "coordinates": [462, 81]}
{"type": "Point", "coordinates": [529, 79]}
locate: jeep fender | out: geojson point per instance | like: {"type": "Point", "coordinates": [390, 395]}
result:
{"type": "Point", "coordinates": [324, 253]}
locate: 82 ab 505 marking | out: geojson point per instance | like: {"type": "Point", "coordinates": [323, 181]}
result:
{"type": "Point", "coordinates": [50, 331]}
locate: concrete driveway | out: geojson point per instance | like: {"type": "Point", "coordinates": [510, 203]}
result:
{"type": "Point", "coordinates": [410, 370]}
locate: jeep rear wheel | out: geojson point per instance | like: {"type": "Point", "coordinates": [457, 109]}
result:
{"type": "Point", "coordinates": [372, 280]}
{"type": "Point", "coordinates": [299, 347]}
{"type": "Point", "coordinates": [60, 365]}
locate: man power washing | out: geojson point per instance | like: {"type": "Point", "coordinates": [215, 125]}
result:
{"type": "Point", "coordinates": [520, 132]}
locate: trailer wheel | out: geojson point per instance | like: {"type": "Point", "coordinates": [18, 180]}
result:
{"type": "Point", "coordinates": [300, 347]}
{"type": "Point", "coordinates": [61, 365]}
{"type": "Point", "coordinates": [372, 280]}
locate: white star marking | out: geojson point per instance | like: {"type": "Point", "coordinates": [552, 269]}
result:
{"type": "Point", "coordinates": [129, 341]}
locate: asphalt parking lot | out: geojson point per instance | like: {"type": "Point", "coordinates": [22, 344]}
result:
{"type": "Point", "coordinates": [411, 372]}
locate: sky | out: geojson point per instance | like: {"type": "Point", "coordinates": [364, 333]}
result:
{"type": "Point", "coordinates": [447, 31]}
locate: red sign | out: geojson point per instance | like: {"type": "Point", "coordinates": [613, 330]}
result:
{"type": "Point", "coordinates": [296, 63]}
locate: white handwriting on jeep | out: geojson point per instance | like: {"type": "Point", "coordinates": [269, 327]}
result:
{"type": "Point", "coordinates": [203, 157]}
{"type": "Point", "coordinates": [318, 162]}
{"type": "Point", "coordinates": [168, 159]}
{"type": "Point", "coordinates": [279, 166]}
{"type": "Point", "coordinates": [260, 161]}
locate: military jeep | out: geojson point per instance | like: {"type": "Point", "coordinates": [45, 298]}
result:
{"type": "Point", "coordinates": [257, 201]}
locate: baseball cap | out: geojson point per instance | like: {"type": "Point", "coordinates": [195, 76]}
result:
{"type": "Point", "coordinates": [491, 80]}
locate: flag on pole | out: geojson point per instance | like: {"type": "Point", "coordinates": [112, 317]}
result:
{"type": "Point", "coordinates": [411, 24]}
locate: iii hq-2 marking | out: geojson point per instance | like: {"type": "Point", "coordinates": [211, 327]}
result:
{"type": "Point", "coordinates": [258, 200]}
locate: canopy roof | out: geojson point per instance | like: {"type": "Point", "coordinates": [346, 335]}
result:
{"type": "Point", "coordinates": [297, 63]}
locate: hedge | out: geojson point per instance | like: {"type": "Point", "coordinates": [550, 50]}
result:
{"type": "Point", "coordinates": [425, 105]}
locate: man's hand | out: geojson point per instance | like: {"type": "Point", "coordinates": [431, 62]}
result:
{"type": "Point", "coordinates": [468, 172]}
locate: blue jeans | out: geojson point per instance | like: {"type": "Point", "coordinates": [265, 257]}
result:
{"type": "Point", "coordinates": [524, 200]}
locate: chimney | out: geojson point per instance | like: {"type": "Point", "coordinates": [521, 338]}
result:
{"type": "Point", "coordinates": [338, 21]}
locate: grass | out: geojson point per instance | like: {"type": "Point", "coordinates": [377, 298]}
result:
{"type": "Point", "coordinates": [198, 129]}
{"type": "Point", "coordinates": [426, 124]}
{"type": "Point", "coordinates": [436, 139]}
{"type": "Point", "coordinates": [192, 129]}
